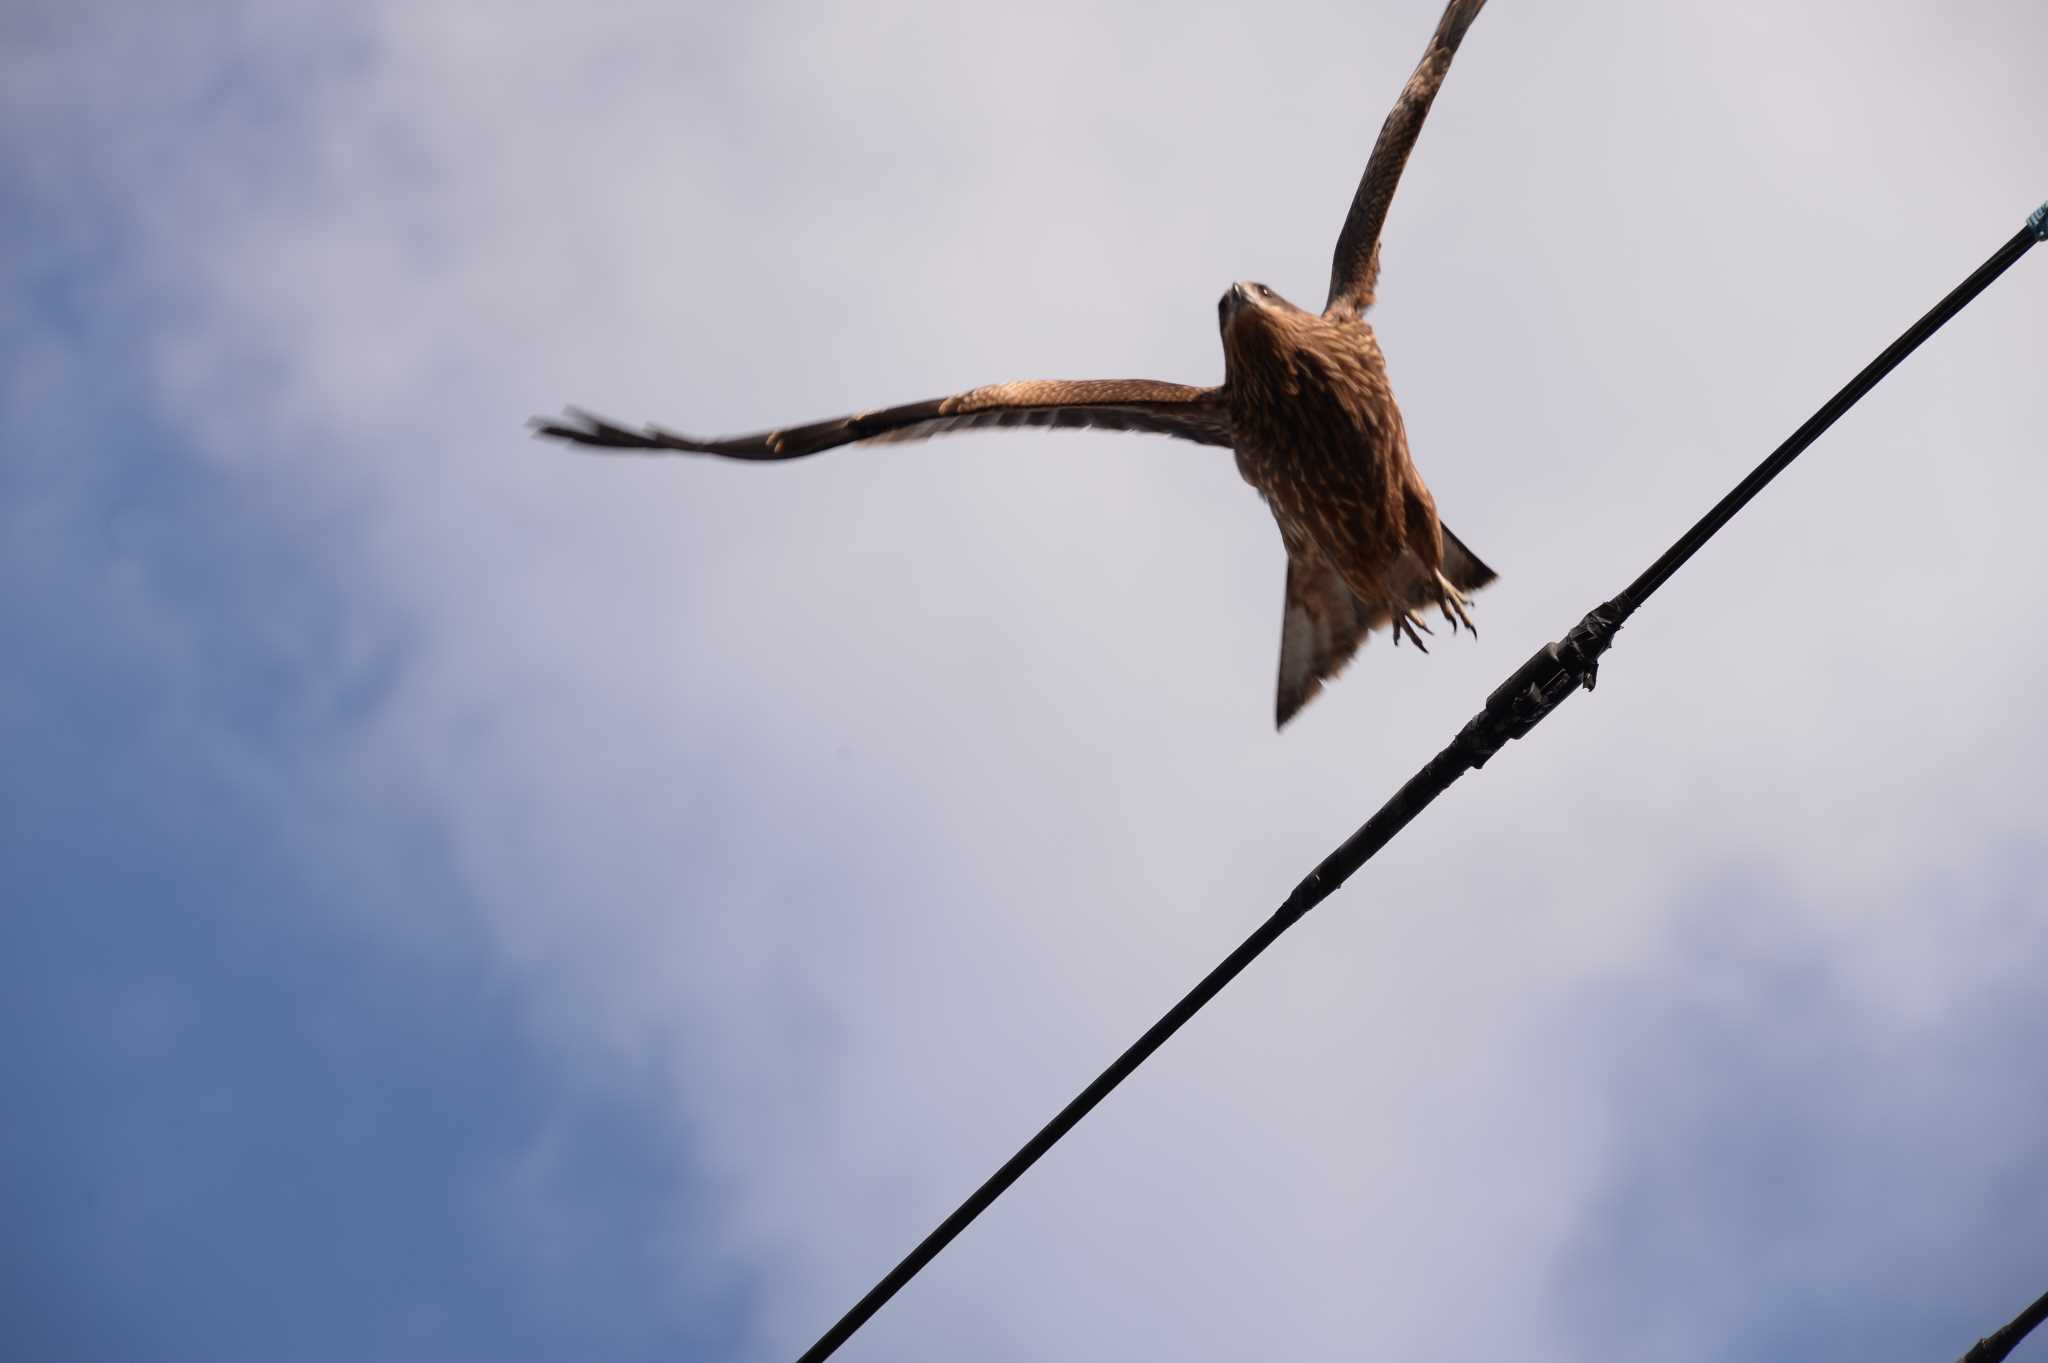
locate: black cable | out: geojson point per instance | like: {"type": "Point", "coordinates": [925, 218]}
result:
{"type": "Point", "coordinates": [1994, 1347]}
{"type": "Point", "coordinates": [1518, 705]}
{"type": "Point", "coordinates": [1724, 511]}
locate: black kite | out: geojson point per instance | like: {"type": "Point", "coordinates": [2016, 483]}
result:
{"type": "Point", "coordinates": [1304, 402]}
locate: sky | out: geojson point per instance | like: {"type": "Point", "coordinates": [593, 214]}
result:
{"type": "Point", "coordinates": [467, 899]}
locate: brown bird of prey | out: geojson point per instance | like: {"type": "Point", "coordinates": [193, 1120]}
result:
{"type": "Point", "coordinates": [1304, 402]}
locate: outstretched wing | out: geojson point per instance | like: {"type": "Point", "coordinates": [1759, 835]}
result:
{"type": "Point", "coordinates": [1355, 271]}
{"type": "Point", "coordinates": [1197, 414]}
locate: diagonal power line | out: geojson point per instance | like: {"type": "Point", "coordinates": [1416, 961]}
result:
{"type": "Point", "coordinates": [1995, 1346]}
{"type": "Point", "coordinates": [1518, 705]}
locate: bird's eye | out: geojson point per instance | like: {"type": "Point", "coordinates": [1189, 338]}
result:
{"type": "Point", "coordinates": [1264, 292]}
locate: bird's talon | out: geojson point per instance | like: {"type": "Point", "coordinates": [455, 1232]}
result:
{"type": "Point", "coordinates": [1452, 603]}
{"type": "Point", "coordinates": [1405, 623]}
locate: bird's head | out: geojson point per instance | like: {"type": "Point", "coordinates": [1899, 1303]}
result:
{"type": "Point", "coordinates": [1246, 298]}
{"type": "Point", "coordinates": [1259, 329]}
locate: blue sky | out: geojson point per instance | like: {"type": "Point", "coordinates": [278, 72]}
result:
{"type": "Point", "coordinates": [244, 1129]}
{"type": "Point", "coordinates": [469, 901]}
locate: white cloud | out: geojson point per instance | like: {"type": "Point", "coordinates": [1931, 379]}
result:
{"type": "Point", "coordinates": [851, 814]}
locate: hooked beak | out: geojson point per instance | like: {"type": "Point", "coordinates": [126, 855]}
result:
{"type": "Point", "coordinates": [1235, 298]}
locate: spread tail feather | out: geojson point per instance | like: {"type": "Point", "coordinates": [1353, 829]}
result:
{"type": "Point", "coordinates": [1324, 624]}
{"type": "Point", "coordinates": [1321, 629]}
{"type": "Point", "coordinates": [1462, 566]}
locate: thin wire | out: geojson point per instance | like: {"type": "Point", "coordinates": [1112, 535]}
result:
{"type": "Point", "coordinates": [1536, 688]}
{"type": "Point", "coordinates": [1724, 511]}
{"type": "Point", "coordinates": [1995, 1346]}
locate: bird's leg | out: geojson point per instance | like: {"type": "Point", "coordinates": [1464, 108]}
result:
{"type": "Point", "coordinates": [1407, 623]}
{"type": "Point", "coordinates": [1452, 603]}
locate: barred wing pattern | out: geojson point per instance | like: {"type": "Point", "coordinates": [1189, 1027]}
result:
{"type": "Point", "coordinates": [1197, 414]}
{"type": "Point", "coordinates": [1355, 271]}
